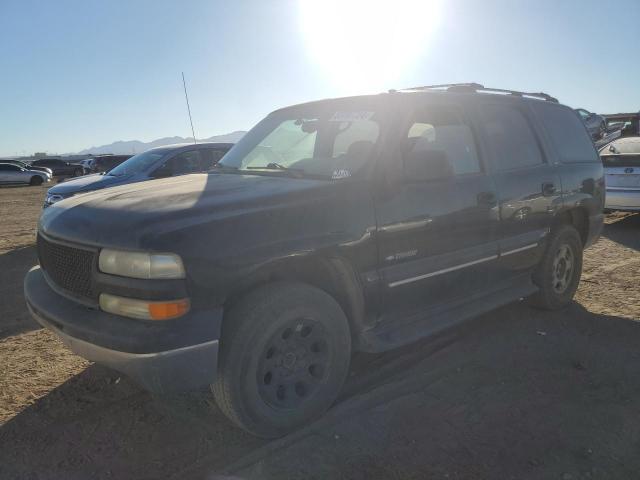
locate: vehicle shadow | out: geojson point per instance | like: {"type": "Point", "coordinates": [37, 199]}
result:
{"type": "Point", "coordinates": [518, 393]}
{"type": "Point", "coordinates": [625, 231]}
{"type": "Point", "coordinates": [14, 316]}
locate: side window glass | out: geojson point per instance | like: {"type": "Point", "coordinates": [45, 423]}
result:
{"type": "Point", "coordinates": [210, 157]}
{"type": "Point", "coordinates": [185, 162]}
{"type": "Point", "coordinates": [511, 138]}
{"type": "Point", "coordinates": [568, 135]}
{"type": "Point", "coordinates": [351, 133]}
{"type": "Point", "coordinates": [440, 140]}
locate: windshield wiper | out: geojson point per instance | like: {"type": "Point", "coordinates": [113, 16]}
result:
{"type": "Point", "coordinates": [269, 166]}
{"type": "Point", "coordinates": [276, 166]}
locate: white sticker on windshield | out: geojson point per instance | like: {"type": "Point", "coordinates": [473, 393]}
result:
{"type": "Point", "coordinates": [350, 116]}
{"type": "Point", "coordinates": [341, 173]}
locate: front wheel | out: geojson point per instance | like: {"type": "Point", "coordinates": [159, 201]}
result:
{"type": "Point", "coordinates": [558, 274]}
{"type": "Point", "coordinates": [284, 355]}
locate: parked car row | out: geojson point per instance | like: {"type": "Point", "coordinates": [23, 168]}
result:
{"type": "Point", "coordinates": [158, 162]}
{"type": "Point", "coordinates": [60, 167]}
{"type": "Point", "coordinates": [596, 124]}
{"type": "Point", "coordinates": [15, 173]}
{"type": "Point", "coordinates": [350, 224]}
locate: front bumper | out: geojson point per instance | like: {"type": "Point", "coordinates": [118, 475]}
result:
{"type": "Point", "coordinates": [161, 356]}
{"type": "Point", "coordinates": [623, 200]}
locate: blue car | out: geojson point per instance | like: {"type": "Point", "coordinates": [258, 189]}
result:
{"type": "Point", "coordinates": [167, 161]}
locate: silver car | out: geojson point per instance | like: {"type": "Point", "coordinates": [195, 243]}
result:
{"type": "Point", "coordinates": [14, 175]}
{"type": "Point", "coordinates": [621, 161]}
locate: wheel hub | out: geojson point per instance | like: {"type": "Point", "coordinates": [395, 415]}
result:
{"type": "Point", "coordinates": [293, 364]}
{"type": "Point", "coordinates": [562, 270]}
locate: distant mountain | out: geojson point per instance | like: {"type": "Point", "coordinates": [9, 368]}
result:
{"type": "Point", "coordinates": [136, 146]}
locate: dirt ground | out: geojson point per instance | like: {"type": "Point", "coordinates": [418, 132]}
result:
{"type": "Point", "coordinates": [516, 394]}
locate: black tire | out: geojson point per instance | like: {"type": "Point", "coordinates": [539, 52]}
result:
{"type": "Point", "coordinates": [558, 273]}
{"type": "Point", "coordinates": [284, 356]}
{"type": "Point", "coordinates": [78, 172]}
{"type": "Point", "coordinates": [36, 180]}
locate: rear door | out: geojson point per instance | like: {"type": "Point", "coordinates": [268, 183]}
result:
{"type": "Point", "coordinates": [528, 185]}
{"type": "Point", "coordinates": [5, 173]}
{"type": "Point", "coordinates": [437, 231]}
{"type": "Point", "coordinates": [13, 174]}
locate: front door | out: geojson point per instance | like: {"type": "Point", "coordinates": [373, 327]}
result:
{"type": "Point", "coordinates": [437, 232]}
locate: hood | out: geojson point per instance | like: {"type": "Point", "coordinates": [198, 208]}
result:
{"type": "Point", "coordinates": [136, 215]}
{"type": "Point", "coordinates": [86, 183]}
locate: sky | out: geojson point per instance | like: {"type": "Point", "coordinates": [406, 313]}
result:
{"type": "Point", "coordinates": [82, 73]}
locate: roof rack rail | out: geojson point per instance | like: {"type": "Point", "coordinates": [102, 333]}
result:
{"type": "Point", "coordinates": [476, 87]}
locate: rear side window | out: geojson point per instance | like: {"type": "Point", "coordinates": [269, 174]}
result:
{"type": "Point", "coordinates": [186, 162]}
{"type": "Point", "coordinates": [567, 133]}
{"type": "Point", "coordinates": [443, 131]}
{"type": "Point", "coordinates": [511, 138]}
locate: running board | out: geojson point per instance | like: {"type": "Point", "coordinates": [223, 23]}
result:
{"type": "Point", "coordinates": [393, 333]}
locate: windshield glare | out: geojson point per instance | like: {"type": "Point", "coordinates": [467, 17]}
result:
{"type": "Point", "coordinates": [136, 164]}
{"type": "Point", "coordinates": [334, 145]}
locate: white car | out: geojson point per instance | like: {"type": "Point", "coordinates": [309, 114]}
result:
{"type": "Point", "coordinates": [621, 161]}
{"type": "Point", "coordinates": [13, 174]}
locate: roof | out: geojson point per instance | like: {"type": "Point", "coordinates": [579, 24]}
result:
{"type": "Point", "coordinates": [455, 89]}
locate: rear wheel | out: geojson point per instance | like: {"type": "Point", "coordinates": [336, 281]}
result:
{"type": "Point", "coordinates": [78, 172]}
{"type": "Point", "coordinates": [35, 180]}
{"type": "Point", "coordinates": [284, 356]}
{"type": "Point", "coordinates": [558, 274]}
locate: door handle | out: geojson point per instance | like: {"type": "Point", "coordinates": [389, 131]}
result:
{"type": "Point", "coordinates": [487, 198]}
{"type": "Point", "coordinates": [548, 189]}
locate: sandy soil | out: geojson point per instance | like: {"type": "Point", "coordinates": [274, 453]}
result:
{"type": "Point", "coordinates": [518, 393]}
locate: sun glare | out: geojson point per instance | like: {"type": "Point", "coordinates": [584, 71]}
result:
{"type": "Point", "coordinates": [364, 45]}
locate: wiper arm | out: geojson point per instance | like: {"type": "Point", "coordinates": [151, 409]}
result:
{"type": "Point", "coordinates": [298, 172]}
{"type": "Point", "coordinates": [272, 166]}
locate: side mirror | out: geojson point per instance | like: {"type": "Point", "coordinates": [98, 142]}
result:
{"type": "Point", "coordinates": [425, 165]}
{"type": "Point", "coordinates": [162, 172]}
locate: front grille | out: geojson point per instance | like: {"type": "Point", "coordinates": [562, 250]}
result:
{"type": "Point", "coordinates": [68, 267]}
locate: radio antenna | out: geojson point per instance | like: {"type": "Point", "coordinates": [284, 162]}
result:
{"type": "Point", "coordinates": [184, 84]}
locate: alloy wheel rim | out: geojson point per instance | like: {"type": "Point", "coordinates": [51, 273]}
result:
{"type": "Point", "coordinates": [562, 269]}
{"type": "Point", "coordinates": [294, 364]}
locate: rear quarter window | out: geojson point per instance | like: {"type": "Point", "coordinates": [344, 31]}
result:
{"type": "Point", "coordinates": [567, 133]}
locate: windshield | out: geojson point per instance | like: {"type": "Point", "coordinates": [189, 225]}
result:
{"type": "Point", "coordinates": [136, 164]}
{"type": "Point", "coordinates": [330, 145]}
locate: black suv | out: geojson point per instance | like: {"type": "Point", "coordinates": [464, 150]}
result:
{"type": "Point", "coordinates": [351, 224]}
{"type": "Point", "coordinates": [60, 167]}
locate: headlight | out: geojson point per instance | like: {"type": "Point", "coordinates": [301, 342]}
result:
{"type": "Point", "coordinates": [141, 264]}
{"type": "Point", "coordinates": [53, 198]}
